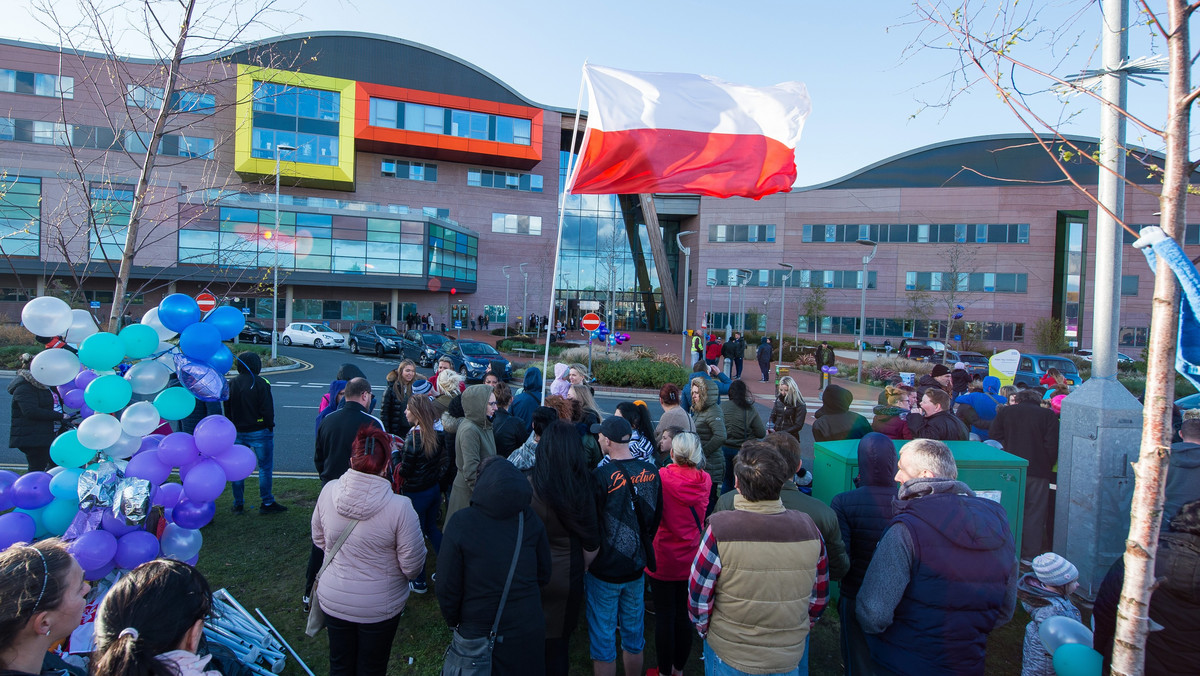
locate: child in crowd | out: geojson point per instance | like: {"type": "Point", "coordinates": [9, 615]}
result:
{"type": "Point", "coordinates": [1045, 593]}
{"type": "Point", "coordinates": [561, 384]}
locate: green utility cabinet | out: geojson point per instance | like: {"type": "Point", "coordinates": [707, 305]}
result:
{"type": "Point", "coordinates": [989, 471]}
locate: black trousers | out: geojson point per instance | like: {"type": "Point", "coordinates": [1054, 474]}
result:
{"type": "Point", "coordinates": [558, 656]}
{"type": "Point", "coordinates": [316, 558]}
{"type": "Point", "coordinates": [360, 649]}
{"type": "Point", "coordinates": [672, 629]}
{"type": "Point", "coordinates": [37, 457]}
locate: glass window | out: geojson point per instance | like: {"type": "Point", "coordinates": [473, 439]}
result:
{"type": "Point", "coordinates": [383, 113]}
{"type": "Point", "coordinates": [1129, 285]}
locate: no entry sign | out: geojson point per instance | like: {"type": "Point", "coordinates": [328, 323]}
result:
{"type": "Point", "coordinates": [590, 322]}
{"type": "Point", "coordinates": [206, 301]}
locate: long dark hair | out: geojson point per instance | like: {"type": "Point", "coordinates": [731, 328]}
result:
{"type": "Point", "coordinates": [560, 477]}
{"type": "Point", "coordinates": [33, 579]}
{"type": "Point", "coordinates": [638, 417]}
{"type": "Point", "coordinates": [426, 415]}
{"type": "Point", "coordinates": [146, 613]}
{"type": "Point", "coordinates": [739, 394]}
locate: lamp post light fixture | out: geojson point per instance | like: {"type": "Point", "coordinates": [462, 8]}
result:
{"type": "Point", "coordinates": [684, 274]}
{"type": "Point", "coordinates": [862, 311]}
{"type": "Point", "coordinates": [783, 304]}
{"type": "Point", "coordinates": [741, 324]}
{"type": "Point", "coordinates": [525, 296]}
{"type": "Point", "coordinates": [507, 277]}
{"type": "Point", "coordinates": [279, 149]}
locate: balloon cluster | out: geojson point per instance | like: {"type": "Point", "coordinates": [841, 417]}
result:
{"type": "Point", "coordinates": [1069, 643]}
{"type": "Point", "coordinates": [114, 468]}
{"type": "Point", "coordinates": [603, 334]}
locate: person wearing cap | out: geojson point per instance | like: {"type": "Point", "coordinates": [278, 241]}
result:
{"type": "Point", "coordinates": [1045, 593]}
{"type": "Point", "coordinates": [938, 378]}
{"type": "Point", "coordinates": [630, 511]}
{"type": "Point", "coordinates": [959, 379]}
{"type": "Point", "coordinates": [934, 419]}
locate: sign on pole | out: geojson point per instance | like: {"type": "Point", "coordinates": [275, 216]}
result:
{"type": "Point", "coordinates": [590, 321]}
{"type": "Point", "coordinates": [1003, 365]}
{"type": "Point", "coordinates": [206, 301]}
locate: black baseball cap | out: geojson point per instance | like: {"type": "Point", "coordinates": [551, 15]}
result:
{"type": "Point", "coordinates": [615, 428]}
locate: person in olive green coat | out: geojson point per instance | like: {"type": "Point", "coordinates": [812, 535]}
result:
{"type": "Point", "coordinates": [742, 424]}
{"type": "Point", "coordinates": [710, 427]}
{"type": "Point", "coordinates": [472, 443]}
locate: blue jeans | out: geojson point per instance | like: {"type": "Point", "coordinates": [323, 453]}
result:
{"type": "Point", "coordinates": [428, 506]}
{"type": "Point", "coordinates": [713, 666]}
{"type": "Point", "coordinates": [262, 443]}
{"type": "Point", "coordinates": [611, 607]}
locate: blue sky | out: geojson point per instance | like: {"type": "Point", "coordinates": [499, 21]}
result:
{"type": "Point", "coordinates": [867, 92]}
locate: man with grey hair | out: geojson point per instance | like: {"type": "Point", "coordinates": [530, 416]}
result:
{"type": "Point", "coordinates": [944, 574]}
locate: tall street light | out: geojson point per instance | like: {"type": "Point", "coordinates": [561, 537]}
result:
{"type": "Point", "coordinates": [504, 269]}
{"type": "Point", "coordinates": [525, 296]}
{"type": "Point", "coordinates": [729, 308]}
{"type": "Point", "coordinates": [783, 304]}
{"type": "Point", "coordinates": [684, 274]}
{"type": "Point", "coordinates": [741, 325]}
{"type": "Point", "coordinates": [862, 311]}
{"type": "Point", "coordinates": [279, 149]}
{"type": "Point", "coordinates": [709, 314]}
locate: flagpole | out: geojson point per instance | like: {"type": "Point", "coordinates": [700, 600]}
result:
{"type": "Point", "coordinates": [562, 202]}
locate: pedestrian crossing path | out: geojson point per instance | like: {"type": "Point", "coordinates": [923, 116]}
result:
{"type": "Point", "coordinates": [312, 385]}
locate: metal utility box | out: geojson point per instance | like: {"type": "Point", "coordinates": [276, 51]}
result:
{"type": "Point", "coordinates": [989, 471]}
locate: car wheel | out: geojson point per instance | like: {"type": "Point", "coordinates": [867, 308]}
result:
{"type": "Point", "coordinates": [287, 340]}
{"type": "Point", "coordinates": [318, 344]}
{"type": "Point", "coordinates": [462, 371]}
{"type": "Point", "coordinates": [354, 347]}
{"type": "Point", "coordinates": [378, 350]}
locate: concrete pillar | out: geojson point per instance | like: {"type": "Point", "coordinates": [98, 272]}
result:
{"type": "Point", "coordinates": [289, 296]}
{"type": "Point", "coordinates": [41, 286]}
{"type": "Point", "coordinates": [171, 288]}
{"type": "Point", "coordinates": [394, 311]}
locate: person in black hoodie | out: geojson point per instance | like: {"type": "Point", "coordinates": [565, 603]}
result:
{"type": "Point", "coordinates": [863, 515]}
{"type": "Point", "coordinates": [524, 404]}
{"type": "Point", "coordinates": [473, 564]}
{"type": "Point", "coordinates": [834, 420]}
{"type": "Point", "coordinates": [33, 417]}
{"type": "Point", "coordinates": [252, 411]}
{"type": "Point", "coordinates": [508, 430]}
{"type": "Point", "coordinates": [935, 419]}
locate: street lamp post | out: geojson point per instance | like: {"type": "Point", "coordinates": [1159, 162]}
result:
{"type": "Point", "coordinates": [783, 304]}
{"type": "Point", "coordinates": [504, 269]}
{"type": "Point", "coordinates": [687, 269]}
{"type": "Point", "coordinates": [279, 149]}
{"type": "Point", "coordinates": [729, 308]}
{"type": "Point", "coordinates": [862, 311]}
{"type": "Point", "coordinates": [741, 326]}
{"type": "Point", "coordinates": [525, 296]}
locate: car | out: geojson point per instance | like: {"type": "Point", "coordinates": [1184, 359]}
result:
{"type": "Point", "coordinates": [371, 337]}
{"type": "Point", "coordinates": [1122, 358]}
{"type": "Point", "coordinates": [1031, 368]}
{"type": "Point", "coordinates": [421, 346]}
{"type": "Point", "coordinates": [254, 333]}
{"type": "Point", "coordinates": [317, 335]}
{"type": "Point", "coordinates": [470, 358]}
{"type": "Point", "coordinates": [1190, 401]}
{"type": "Point", "coordinates": [916, 352]}
{"type": "Point", "coordinates": [935, 345]}
{"type": "Point", "coordinates": [976, 362]}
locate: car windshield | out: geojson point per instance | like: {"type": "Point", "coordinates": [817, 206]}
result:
{"type": "Point", "coordinates": [478, 349]}
{"type": "Point", "coordinates": [433, 338]}
{"type": "Point", "coordinates": [385, 330]}
{"type": "Point", "coordinates": [973, 359]}
{"type": "Point", "coordinates": [1063, 365]}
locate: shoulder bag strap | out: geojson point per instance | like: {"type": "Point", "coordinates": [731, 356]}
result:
{"type": "Point", "coordinates": [336, 546]}
{"type": "Point", "coordinates": [512, 568]}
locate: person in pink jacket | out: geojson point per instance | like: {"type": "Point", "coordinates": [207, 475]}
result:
{"type": "Point", "coordinates": [685, 490]}
{"type": "Point", "coordinates": [365, 587]}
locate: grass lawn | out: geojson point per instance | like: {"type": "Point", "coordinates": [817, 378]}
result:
{"type": "Point", "coordinates": [261, 560]}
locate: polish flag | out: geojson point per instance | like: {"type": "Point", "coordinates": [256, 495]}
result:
{"type": "Point", "coordinates": [683, 133]}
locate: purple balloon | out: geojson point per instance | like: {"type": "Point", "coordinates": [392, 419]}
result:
{"type": "Point", "coordinates": [169, 495]}
{"type": "Point", "coordinates": [183, 470]}
{"type": "Point", "coordinates": [85, 377]}
{"type": "Point", "coordinates": [238, 462]}
{"type": "Point", "coordinates": [73, 399]}
{"type": "Point", "coordinates": [146, 465]}
{"type": "Point", "coordinates": [115, 525]}
{"type": "Point", "coordinates": [16, 527]}
{"type": "Point", "coordinates": [204, 482]}
{"type": "Point", "coordinates": [94, 549]}
{"type": "Point", "coordinates": [6, 481]}
{"type": "Point", "coordinates": [150, 442]}
{"type": "Point", "coordinates": [136, 548]}
{"type": "Point", "coordinates": [99, 573]}
{"type": "Point", "coordinates": [31, 491]}
{"type": "Point", "coordinates": [193, 515]}
{"type": "Point", "coordinates": [177, 450]}
{"type": "Point", "coordinates": [214, 434]}
{"type": "Point", "coordinates": [85, 411]}
{"type": "Point", "coordinates": [194, 560]}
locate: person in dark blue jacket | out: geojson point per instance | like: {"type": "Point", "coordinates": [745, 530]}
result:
{"type": "Point", "coordinates": [524, 404]}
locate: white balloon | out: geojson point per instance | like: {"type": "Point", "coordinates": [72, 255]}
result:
{"type": "Point", "coordinates": [98, 431]}
{"type": "Point", "coordinates": [165, 355]}
{"type": "Point", "coordinates": [54, 367]}
{"type": "Point", "coordinates": [151, 319]}
{"type": "Point", "coordinates": [125, 447]}
{"type": "Point", "coordinates": [83, 324]}
{"type": "Point", "coordinates": [148, 376]}
{"type": "Point", "coordinates": [140, 419]}
{"type": "Point", "coordinates": [46, 316]}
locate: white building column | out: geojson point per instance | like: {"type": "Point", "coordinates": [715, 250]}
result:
{"type": "Point", "coordinates": [394, 311]}
{"type": "Point", "coordinates": [289, 296]}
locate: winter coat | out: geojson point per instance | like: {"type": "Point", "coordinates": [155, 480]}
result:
{"type": "Point", "coordinates": [825, 355]}
{"type": "Point", "coordinates": [330, 401]}
{"type": "Point", "coordinates": [888, 421]}
{"type": "Point", "coordinates": [367, 580]}
{"type": "Point", "coordinates": [676, 417]}
{"type": "Point", "coordinates": [524, 404]}
{"type": "Point", "coordinates": [1041, 604]}
{"type": "Point", "coordinates": [984, 406]}
{"type": "Point", "coordinates": [835, 421]}
{"type": "Point", "coordinates": [943, 426]}
{"type": "Point", "coordinates": [508, 431]}
{"type": "Point", "coordinates": [525, 455]}
{"type": "Point", "coordinates": [763, 352]}
{"type": "Point", "coordinates": [473, 563]}
{"type": "Point", "coordinates": [685, 492]}
{"type": "Point", "coordinates": [864, 513]}
{"type": "Point", "coordinates": [710, 427]}
{"type": "Point", "coordinates": [394, 406]}
{"type": "Point", "coordinates": [419, 471]}
{"type": "Point", "coordinates": [473, 442]}
{"type": "Point", "coordinates": [335, 439]}
{"type": "Point", "coordinates": [722, 383]}
{"type": "Point", "coordinates": [33, 414]}
{"type": "Point", "coordinates": [560, 385]}
{"type": "Point", "coordinates": [789, 419]}
{"type": "Point", "coordinates": [741, 424]}
{"type": "Point", "coordinates": [712, 351]}
{"type": "Point", "coordinates": [1028, 431]}
{"type": "Point", "coordinates": [562, 598]}
{"type": "Point", "coordinates": [959, 380]}
{"type": "Point", "coordinates": [250, 406]}
{"type": "Point", "coordinates": [1183, 477]}
{"type": "Point", "coordinates": [186, 663]}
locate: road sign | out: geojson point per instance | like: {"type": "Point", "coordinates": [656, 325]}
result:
{"type": "Point", "coordinates": [590, 321]}
{"type": "Point", "coordinates": [206, 301]}
{"type": "Point", "coordinates": [246, 311]}
{"type": "Point", "coordinates": [95, 305]}
{"type": "Point", "coordinates": [458, 323]}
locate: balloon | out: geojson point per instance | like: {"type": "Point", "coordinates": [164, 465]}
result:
{"type": "Point", "coordinates": [35, 514]}
{"type": "Point", "coordinates": [151, 441]}
{"type": "Point", "coordinates": [221, 360]}
{"type": "Point", "coordinates": [146, 465]}
{"type": "Point", "coordinates": [199, 341]}
{"type": "Point", "coordinates": [125, 447]}
{"type": "Point", "coordinates": [83, 324]}
{"type": "Point", "coordinates": [136, 548]}
{"type": "Point", "coordinates": [1058, 630]}
{"type": "Point", "coordinates": [16, 527]}
{"type": "Point", "coordinates": [65, 485]}
{"type": "Point", "coordinates": [166, 355]}
{"type": "Point", "coordinates": [99, 573]}
{"type": "Point", "coordinates": [99, 431]}
{"type": "Point", "coordinates": [214, 434]}
{"type": "Point", "coordinates": [72, 398]}
{"type": "Point", "coordinates": [175, 403]}
{"type": "Point", "coordinates": [94, 549]}
{"type": "Point", "coordinates": [31, 491]}
{"type": "Point", "coordinates": [202, 380]}
{"type": "Point", "coordinates": [58, 515]}
{"type": "Point", "coordinates": [148, 377]}
{"type": "Point", "coordinates": [116, 524]}
{"type": "Point", "coordinates": [140, 419]}
{"type": "Point", "coordinates": [177, 312]}
{"type": "Point", "coordinates": [6, 481]}
{"type": "Point", "coordinates": [169, 495]}
{"type": "Point", "coordinates": [1074, 659]}
{"type": "Point", "coordinates": [204, 482]}
{"type": "Point", "coordinates": [190, 514]}
{"type": "Point", "coordinates": [228, 321]}
{"type": "Point", "coordinates": [151, 319]}
{"type": "Point", "coordinates": [85, 378]}
{"type": "Point", "coordinates": [194, 561]}
{"type": "Point", "coordinates": [54, 367]}
{"type": "Point", "coordinates": [178, 449]}
{"type": "Point", "coordinates": [108, 394]}
{"type": "Point", "coordinates": [68, 452]}
{"type": "Point", "coordinates": [181, 543]}
{"type": "Point", "coordinates": [101, 351]}
{"type": "Point", "coordinates": [238, 462]}
{"type": "Point", "coordinates": [140, 340]}
{"type": "Point", "coordinates": [46, 316]}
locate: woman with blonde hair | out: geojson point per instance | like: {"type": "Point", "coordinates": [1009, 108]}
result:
{"type": "Point", "coordinates": [789, 411]}
{"type": "Point", "coordinates": [583, 394]}
{"type": "Point", "coordinates": [578, 374]}
{"type": "Point", "coordinates": [891, 418]}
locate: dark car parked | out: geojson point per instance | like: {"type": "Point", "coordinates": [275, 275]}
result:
{"type": "Point", "coordinates": [254, 333]}
{"type": "Point", "coordinates": [976, 362]}
{"type": "Point", "coordinates": [916, 352]}
{"type": "Point", "coordinates": [421, 346]}
{"type": "Point", "coordinates": [378, 338]}
{"type": "Point", "coordinates": [470, 358]}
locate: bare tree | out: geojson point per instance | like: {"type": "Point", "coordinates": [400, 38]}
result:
{"type": "Point", "coordinates": [959, 263]}
{"type": "Point", "coordinates": [812, 304]}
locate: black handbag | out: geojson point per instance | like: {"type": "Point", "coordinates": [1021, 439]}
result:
{"type": "Point", "coordinates": [473, 656]}
{"type": "Point", "coordinates": [645, 537]}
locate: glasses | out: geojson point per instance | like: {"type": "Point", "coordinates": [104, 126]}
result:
{"type": "Point", "coordinates": [492, 403]}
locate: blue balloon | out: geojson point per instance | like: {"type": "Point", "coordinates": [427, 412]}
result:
{"type": "Point", "coordinates": [200, 341]}
{"type": "Point", "coordinates": [221, 360]}
{"type": "Point", "coordinates": [178, 311]}
{"type": "Point", "coordinates": [229, 321]}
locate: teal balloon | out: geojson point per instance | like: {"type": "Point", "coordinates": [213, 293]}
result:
{"type": "Point", "coordinates": [58, 515]}
{"type": "Point", "coordinates": [140, 340]}
{"type": "Point", "coordinates": [175, 403]}
{"type": "Point", "coordinates": [1076, 659]}
{"type": "Point", "coordinates": [108, 394]}
{"type": "Point", "coordinates": [66, 450]}
{"type": "Point", "coordinates": [65, 485]}
{"type": "Point", "coordinates": [229, 321]}
{"type": "Point", "coordinates": [101, 351]}
{"type": "Point", "coordinates": [36, 515]}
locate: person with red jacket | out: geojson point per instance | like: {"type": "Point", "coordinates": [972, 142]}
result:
{"type": "Point", "coordinates": [712, 351]}
{"type": "Point", "coordinates": [685, 491]}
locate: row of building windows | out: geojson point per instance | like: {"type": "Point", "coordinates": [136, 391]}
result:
{"type": "Point", "coordinates": [449, 122]}
{"type": "Point", "coordinates": [38, 84]}
{"type": "Point", "coordinates": [1191, 233]}
{"type": "Point", "coordinates": [504, 180]}
{"type": "Point", "coordinates": [452, 254]}
{"type": "Point", "coordinates": [830, 279]}
{"type": "Point", "coordinates": [303, 118]}
{"type": "Point", "coordinates": [151, 98]}
{"type": "Point", "coordinates": [20, 216]}
{"type": "Point", "coordinates": [101, 138]}
{"type": "Point", "coordinates": [111, 206]}
{"type": "Point", "coordinates": [294, 101]}
{"type": "Point", "coordinates": [881, 327]}
{"type": "Point", "coordinates": [978, 282]}
{"type": "Point", "coordinates": [309, 148]}
{"type": "Point", "coordinates": [409, 170]}
{"type": "Point", "coordinates": [741, 233]}
{"type": "Point", "coordinates": [993, 233]}
{"type": "Point", "coordinates": [514, 224]}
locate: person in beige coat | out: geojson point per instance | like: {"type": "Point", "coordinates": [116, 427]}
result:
{"type": "Point", "coordinates": [365, 586]}
{"type": "Point", "coordinates": [472, 443]}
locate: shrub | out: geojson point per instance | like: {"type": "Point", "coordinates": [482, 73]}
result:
{"type": "Point", "coordinates": [579, 355]}
{"type": "Point", "coordinates": [668, 358]}
{"type": "Point", "coordinates": [643, 352]}
{"type": "Point", "coordinates": [11, 334]}
{"type": "Point", "coordinates": [899, 365]}
{"type": "Point", "coordinates": [878, 373]}
{"type": "Point", "coordinates": [806, 359]}
{"type": "Point", "coordinates": [10, 355]}
{"type": "Point", "coordinates": [638, 373]}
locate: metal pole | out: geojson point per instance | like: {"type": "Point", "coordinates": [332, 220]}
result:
{"type": "Point", "coordinates": [783, 304]}
{"type": "Point", "coordinates": [687, 268]}
{"type": "Point", "coordinates": [525, 297]}
{"type": "Point", "coordinates": [729, 312]}
{"type": "Point", "coordinates": [862, 311]}
{"type": "Point", "coordinates": [504, 269]}
{"type": "Point", "coordinates": [275, 268]}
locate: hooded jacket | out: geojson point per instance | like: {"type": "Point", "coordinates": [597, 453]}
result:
{"type": "Point", "coordinates": [367, 580]}
{"type": "Point", "coordinates": [1041, 604]}
{"type": "Point", "coordinates": [560, 385]}
{"type": "Point", "coordinates": [394, 407]}
{"type": "Point", "coordinates": [508, 431]}
{"type": "Point", "coordinates": [959, 380]}
{"type": "Point", "coordinates": [250, 406]}
{"type": "Point", "coordinates": [710, 427]}
{"type": "Point", "coordinates": [685, 492]}
{"type": "Point", "coordinates": [835, 421]}
{"type": "Point", "coordinates": [33, 414]}
{"type": "Point", "coordinates": [763, 353]}
{"type": "Point", "coordinates": [742, 424]}
{"type": "Point", "coordinates": [524, 404]}
{"type": "Point", "coordinates": [984, 404]}
{"type": "Point", "coordinates": [473, 441]}
{"type": "Point", "coordinates": [1183, 477]}
{"type": "Point", "coordinates": [330, 401]}
{"type": "Point", "coordinates": [864, 513]}
{"type": "Point", "coordinates": [890, 422]}
{"type": "Point", "coordinates": [943, 426]}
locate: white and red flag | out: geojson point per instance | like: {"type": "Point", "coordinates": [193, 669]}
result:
{"type": "Point", "coordinates": [683, 133]}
